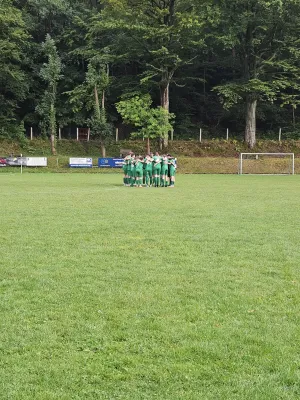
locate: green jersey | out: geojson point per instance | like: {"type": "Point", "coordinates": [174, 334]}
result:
{"type": "Point", "coordinates": [148, 163]}
{"type": "Point", "coordinates": [128, 161]}
{"type": "Point", "coordinates": [139, 165]}
{"type": "Point", "coordinates": [165, 165]}
{"type": "Point", "coordinates": [172, 162]}
{"type": "Point", "coordinates": [156, 160]}
{"type": "Point", "coordinates": [173, 166]}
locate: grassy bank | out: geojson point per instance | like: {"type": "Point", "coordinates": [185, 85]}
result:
{"type": "Point", "coordinates": [213, 157]}
{"type": "Point", "coordinates": [213, 148]}
{"type": "Point", "coordinates": [186, 165]}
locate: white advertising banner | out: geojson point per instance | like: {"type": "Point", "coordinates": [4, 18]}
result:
{"type": "Point", "coordinates": [27, 161]}
{"type": "Point", "coordinates": [35, 161]}
{"type": "Point", "coordinates": [81, 162]}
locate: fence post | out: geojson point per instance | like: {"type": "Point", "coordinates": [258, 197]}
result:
{"type": "Point", "coordinates": [77, 133]}
{"type": "Point", "coordinates": [200, 135]}
{"type": "Point", "coordinates": [31, 133]}
{"type": "Point", "coordinates": [172, 135]}
{"type": "Point", "coordinates": [279, 134]}
{"type": "Point", "coordinates": [241, 164]}
{"type": "Point", "coordinates": [227, 134]}
{"type": "Point", "coordinates": [117, 134]}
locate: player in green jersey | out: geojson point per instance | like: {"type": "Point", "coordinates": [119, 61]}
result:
{"type": "Point", "coordinates": [139, 171]}
{"type": "Point", "coordinates": [148, 169]}
{"type": "Point", "coordinates": [144, 171]}
{"type": "Point", "coordinates": [156, 168]}
{"type": "Point", "coordinates": [130, 170]}
{"type": "Point", "coordinates": [134, 161]}
{"type": "Point", "coordinates": [164, 171]}
{"type": "Point", "coordinates": [125, 169]}
{"type": "Point", "coordinates": [172, 170]}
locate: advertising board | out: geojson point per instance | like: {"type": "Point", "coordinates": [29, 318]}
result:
{"type": "Point", "coordinates": [35, 162]}
{"type": "Point", "coordinates": [81, 163]}
{"type": "Point", "coordinates": [110, 162]}
{"type": "Point", "coordinates": [15, 161]}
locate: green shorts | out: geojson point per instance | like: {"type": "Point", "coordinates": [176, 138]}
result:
{"type": "Point", "coordinates": [164, 170]}
{"type": "Point", "coordinates": [125, 169]}
{"type": "Point", "coordinates": [139, 173]}
{"type": "Point", "coordinates": [172, 171]}
{"type": "Point", "coordinates": [156, 170]}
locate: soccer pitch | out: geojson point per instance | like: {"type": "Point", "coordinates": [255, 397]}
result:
{"type": "Point", "coordinates": [110, 292]}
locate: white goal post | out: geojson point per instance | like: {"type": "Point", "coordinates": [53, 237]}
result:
{"type": "Point", "coordinates": [259, 163]}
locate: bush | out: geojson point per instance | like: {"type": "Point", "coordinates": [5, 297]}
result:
{"type": "Point", "coordinates": [11, 131]}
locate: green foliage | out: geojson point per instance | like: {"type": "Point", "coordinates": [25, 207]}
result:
{"type": "Point", "coordinates": [163, 35]}
{"type": "Point", "coordinates": [100, 128]}
{"type": "Point", "coordinates": [87, 94]}
{"type": "Point", "coordinates": [187, 55]}
{"type": "Point", "coordinates": [13, 85]}
{"type": "Point", "coordinates": [264, 46]}
{"type": "Point", "coordinates": [83, 96]}
{"type": "Point", "coordinates": [11, 131]}
{"type": "Point", "coordinates": [51, 74]}
{"type": "Point", "coordinates": [152, 122]}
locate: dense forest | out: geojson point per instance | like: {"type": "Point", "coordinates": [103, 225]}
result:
{"type": "Point", "coordinates": [157, 65]}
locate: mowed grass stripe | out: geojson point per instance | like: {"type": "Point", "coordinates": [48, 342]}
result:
{"type": "Point", "coordinates": [122, 293]}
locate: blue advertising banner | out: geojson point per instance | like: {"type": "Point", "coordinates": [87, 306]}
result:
{"type": "Point", "coordinates": [110, 162]}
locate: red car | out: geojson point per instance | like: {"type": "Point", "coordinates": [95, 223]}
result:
{"type": "Point", "coordinates": [2, 162]}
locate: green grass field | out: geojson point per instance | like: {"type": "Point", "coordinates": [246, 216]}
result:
{"type": "Point", "coordinates": [122, 293]}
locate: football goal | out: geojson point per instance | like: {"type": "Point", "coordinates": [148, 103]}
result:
{"type": "Point", "coordinates": [267, 163]}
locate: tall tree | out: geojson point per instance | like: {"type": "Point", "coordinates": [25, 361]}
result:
{"type": "Point", "coordinates": [90, 95]}
{"type": "Point", "coordinates": [13, 85]}
{"type": "Point", "coordinates": [60, 19]}
{"type": "Point", "coordinates": [161, 35]}
{"type": "Point", "coordinates": [261, 38]}
{"type": "Point", "coordinates": [51, 74]}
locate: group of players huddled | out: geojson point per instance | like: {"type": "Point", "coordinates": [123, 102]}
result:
{"type": "Point", "coordinates": [151, 170]}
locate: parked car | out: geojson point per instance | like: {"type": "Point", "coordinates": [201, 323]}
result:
{"type": "Point", "coordinates": [2, 162]}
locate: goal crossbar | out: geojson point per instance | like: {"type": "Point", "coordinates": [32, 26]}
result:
{"type": "Point", "coordinates": [291, 155]}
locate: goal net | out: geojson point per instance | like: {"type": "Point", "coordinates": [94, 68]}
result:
{"type": "Point", "coordinates": [267, 163]}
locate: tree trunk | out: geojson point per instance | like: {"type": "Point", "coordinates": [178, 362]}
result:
{"type": "Point", "coordinates": [250, 131]}
{"type": "Point", "coordinates": [97, 101]}
{"type": "Point", "coordinates": [294, 117]}
{"type": "Point", "coordinates": [52, 129]}
{"type": "Point", "coordinates": [164, 102]}
{"type": "Point", "coordinates": [148, 145]}
{"type": "Point", "coordinates": [52, 141]}
{"type": "Point", "coordinates": [103, 100]}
